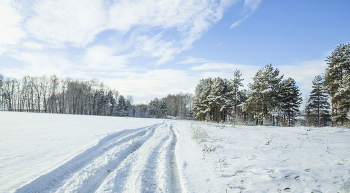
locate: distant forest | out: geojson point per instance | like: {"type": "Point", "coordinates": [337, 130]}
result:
{"type": "Point", "coordinates": [53, 95]}
{"type": "Point", "coordinates": [269, 100]}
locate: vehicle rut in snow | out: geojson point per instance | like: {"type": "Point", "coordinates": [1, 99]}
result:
{"type": "Point", "coordinates": [139, 160]}
{"type": "Point", "coordinates": [175, 177]}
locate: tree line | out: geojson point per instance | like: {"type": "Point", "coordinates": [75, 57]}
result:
{"type": "Point", "coordinates": [53, 95]}
{"type": "Point", "coordinates": [86, 97]}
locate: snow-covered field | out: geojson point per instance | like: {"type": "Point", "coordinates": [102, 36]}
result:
{"type": "Point", "coordinates": [73, 153]}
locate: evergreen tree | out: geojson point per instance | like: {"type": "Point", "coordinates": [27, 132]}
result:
{"type": "Point", "coordinates": [290, 99]}
{"type": "Point", "coordinates": [217, 99]}
{"type": "Point", "coordinates": [335, 78]}
{"type": "Point", "coordinates": [158, 108]}
{"type": "Point", "coordinates": [213, 99]}
{"type": "Point", "coordinates": [121, 106]}
{"type": "Point", "coordinates": [343, 96]}
{"type": "Point", "coordinates": [263, 98]}
{"type": "Point", "coordinates": [318, 106]}
{"type": "Point", "coordinates": [201, 107]}
{"type": "Point", "coordinates": [111, 103]}
{"type": "Point", "coordinates": [237, 96]}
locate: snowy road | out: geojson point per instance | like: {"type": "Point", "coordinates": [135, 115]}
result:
{"type": "Point", "coordinates": [135, 160]}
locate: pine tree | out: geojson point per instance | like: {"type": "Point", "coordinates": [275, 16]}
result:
{"type": "Point", "coordinates": [264, 98]}
{"type": "Point", "coordinates": [343, 96]}
{"type": "Point", "coordinates": [201, 108]}
{"type": "Point", "coordinates": [121, 106]}
{"type": "Point", "coordinates": [290, 99]}
{"type": "Point", "coordinates": [111, 103]}
{"type": "Point", "coordinates": [236, 83]}
{"type": "Point", "coordinates": [318, 107]}
{"type": "Point", "coordinates": [158, 108]}
{"type": "Point", "coordinates": [337, 70]}
{"type": "Point", "coordinates": [217, 98]}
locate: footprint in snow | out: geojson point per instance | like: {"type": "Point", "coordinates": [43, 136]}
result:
{"type": "Point", "coordinates": [287, 189]}
{"type": "Point", "coordinates": [307, 170]}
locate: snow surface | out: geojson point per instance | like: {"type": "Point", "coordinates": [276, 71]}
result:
{"type": "Point", "coordinates": [266, 159]}
{"type": "Point", "coordinates": [73, 153]}
{"type": "Point", "coordinates": [33, 144]}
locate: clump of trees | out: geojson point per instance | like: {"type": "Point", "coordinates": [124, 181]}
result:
{"type": "Point", "coordinates": [270, 100]}
{"type": "Point", "coordinates": [157, 108]}
{"type": "Point", "coordinates": [218, 99]}
{"type": "Point", "coordinates": [179, 105]}
{"type": "Point", "coordinates": [337, 84]}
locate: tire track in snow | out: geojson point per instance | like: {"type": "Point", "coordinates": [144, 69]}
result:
{"type": "Point", "coordinates": [139, 160]}
{"type": "Point", "coordinates": [150, 168]}
{"type": "Point", "coordinates": [91, 177]}
{"type": "Point", "coordinates": [175, 176]}
{"type": "Point", "coordinates": [154, 175]}
{"type": "Point", "coordinates": [52, 181]}
{"type": "Point", "coordinates": [137, 173]}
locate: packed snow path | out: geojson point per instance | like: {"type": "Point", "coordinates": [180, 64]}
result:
{"type": "Point", "coordinates": [138, 160]}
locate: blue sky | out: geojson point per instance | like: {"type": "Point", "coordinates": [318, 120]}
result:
{"type": "Point", "coordinates": [153, 48]}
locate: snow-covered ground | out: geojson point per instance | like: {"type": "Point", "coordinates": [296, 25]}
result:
{"type": "Point", "coordinates": [33, 144]}
{"type": "Point", "coordinates": [265, 159]}
{"type": "Point", "coordinates": [72, 153]}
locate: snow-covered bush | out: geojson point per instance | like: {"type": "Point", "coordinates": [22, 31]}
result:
{"type": "Point", "coordinates": [198, 133]}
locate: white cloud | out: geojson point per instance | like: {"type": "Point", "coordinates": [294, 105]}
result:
{"type": "Point", "coordinates": [59, 22]}
{"type": "Point", "coordinates": [226, 70]}
{"type": "Point", "coordinates": [78, 22]}
{"type": "Point", "coordinates": [251, 6]}
{"type": "Point", "coordinates": [65, 23]}
{"type": "Point", "coordinates": [192, 60]}
{"type": "Point", "coordinates": [146, 85]}
{"type": "Point", "coordinates": [33, 45]}
{"type": "Point", "coordinates": [102, 58]}
{"type": "Point", "coordinates": [38, 64]}
{"type": "Point", "coordinates": [156, 47]}
{"type": "Point", "coordinates": [10, 24]}
{"type": "Point", "coordinates": [222, 66]}
{"type": "Point", "coordinates": [304, 73]}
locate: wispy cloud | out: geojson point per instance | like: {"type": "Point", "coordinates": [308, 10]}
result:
{"type": "Point", "coordinates": [192, 60]}
{"type": "Point", "coordinates": [102, 58]}
{"type": "Point", "coordinates": [156, 47]}
{"type": "Point", "coordinates": [11, 32]}
{"type": "Point", "coordinates": [38, 64]}
{"type": "Point", "coordinates": [65, 23]}
{"type": "Point", "coordinates": [249, 6]}
{"type": "Point", "coordinates": [226, 70]}
{"type": "Point", "coordinates": [33, 45]}
{"type": "Point", "coordinates": [221, 66]}
{"type": "Point", "coordinates": [305, 73]}
{"type": "Point", "coordinates": [65, 38]}
{"type": "Point", "coordinates": [155, 83]}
